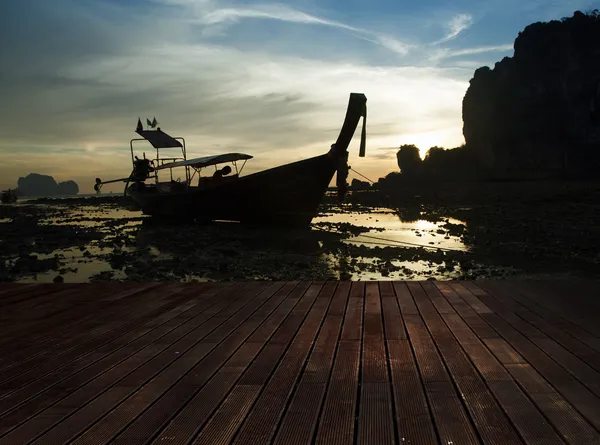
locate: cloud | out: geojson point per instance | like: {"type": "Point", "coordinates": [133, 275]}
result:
{"type": "Point", "coordinates": [445, 53]}
{"type": "Point", "coordinates": [268, 11]}
{"type": "Point", "coordinates": [215, 20]}
{"type": "Point", "coordinates": [71, 99]}
{"type": "Point", "coordinates": [456, 25]}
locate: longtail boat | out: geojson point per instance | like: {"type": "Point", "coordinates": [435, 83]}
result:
{"type": "Point", "coordinates": [286, 195]}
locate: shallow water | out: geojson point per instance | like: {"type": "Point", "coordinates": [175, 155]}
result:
{"type": "Point", "coordinates": [388, 229]}
{"type": "Point", "coordinates": [127, 248]}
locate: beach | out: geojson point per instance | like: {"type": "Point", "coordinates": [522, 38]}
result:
{"type": "Point", "coordinates": [92, 238]}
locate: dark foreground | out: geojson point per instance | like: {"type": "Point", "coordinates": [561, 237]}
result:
{"type": "Point", "coordinates": [502, 362]}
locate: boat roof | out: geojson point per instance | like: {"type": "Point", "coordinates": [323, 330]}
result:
{"type": "Point", "coordinates": [159, 139]}
{"type": "Point", "coordinates": [206, 161]}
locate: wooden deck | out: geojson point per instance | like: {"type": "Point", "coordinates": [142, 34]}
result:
{"type": "Point", "coordinates": [300, 363]}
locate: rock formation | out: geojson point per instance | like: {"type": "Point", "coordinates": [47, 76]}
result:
{"type": "Point", "coordinates": [35, 184]}
{"type": "Point", "coordinates": [67, 188]}
{"type": "Point", "coordinates": [538, 113]}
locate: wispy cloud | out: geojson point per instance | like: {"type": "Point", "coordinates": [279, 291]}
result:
{"type": "Point", "coordinates": [268, 11]}
{"type": "Point", "coordinates": [457, 24]}
{"type": "Point", "coordinates": [219, 18]}
{"type": "Point", "coordinates": [448, 53]}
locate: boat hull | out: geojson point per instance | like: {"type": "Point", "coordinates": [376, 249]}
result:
{"type": "Point", "coordinates": [285, 195]}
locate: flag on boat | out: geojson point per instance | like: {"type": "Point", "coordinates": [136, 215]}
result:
{"type": "Point", "coordinates": [139, 127]}
{"type": "Point", "coordinates": [154, 123]}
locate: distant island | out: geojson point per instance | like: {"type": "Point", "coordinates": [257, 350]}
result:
{"type": "Point", "coordinates": [535, 115]}
{"type": "Point", "coordinates": [35, 184]}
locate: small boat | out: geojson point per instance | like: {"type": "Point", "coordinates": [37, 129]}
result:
{"type": "Point", "coordinates": [8, 196]}
{"type": "Point", "coordinates": [286, 195]}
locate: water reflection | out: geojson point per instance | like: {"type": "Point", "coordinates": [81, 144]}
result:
{"type": "Point", "coordinates": [387, 228]}
{"type": "Point", "coordinates": [125, 245]}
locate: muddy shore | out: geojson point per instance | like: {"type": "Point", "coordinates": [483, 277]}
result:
{"type": "Point", "coordinates": [537, 232]}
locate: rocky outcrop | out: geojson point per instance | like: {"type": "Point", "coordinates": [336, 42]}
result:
{"type": "Point", "coordinates": [538, 113]}
{"type": "Point", "coordinates": [67, 188]}
{"type": "Point", "coordinates": [35, 184]}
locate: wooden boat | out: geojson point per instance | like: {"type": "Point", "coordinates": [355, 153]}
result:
{"type": "Point", "coordinates": [286, 195]}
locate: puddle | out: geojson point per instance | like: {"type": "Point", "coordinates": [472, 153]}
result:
{"type": "Point", "coordinates": [386, 228]}
{"type": "Point", "coordinates": [113, 243]}
{"type": "Point", "coordinates": [369, 268]}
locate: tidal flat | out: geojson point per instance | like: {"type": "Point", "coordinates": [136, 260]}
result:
{"type": "Point", "coordinates": [373, 236]}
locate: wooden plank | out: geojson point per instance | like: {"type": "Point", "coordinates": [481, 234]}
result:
{"type": "Point", "coordinates": [121, 349]}
{"type": "Point", "coordinates": [405, 299]}
{"type": "Point", "coordinates": [529, 421]}
{"type": "Point", "coordinates": [571, 425]}
{"type": "Point", "coordinates": [547, 365]}
{"type": "Point", "coordinates": [12, 293]}
{"type": "Point", "coordinates": [337, 420]}
{"type": "Point", "coordinates": [95, 364]}
{"type": "Point", "coordinates": [154, 419]}
{"type": "Point", "coordinates": [128, 377]}
{"type": "Point", "coordinates": [579, 309]}
{"type": "Point", "coordinates": [190, 420]}
{"type": "Point", "coordinates": [572, 337]}
{"type": "Point", "coordinates": [575, 355]}
{"type": "Point", "coordinates": [532, 382]}
{"type": "Point", "coordinates": [375, 414]}
{"type": "Point", "coordinates": [17, 320]}
{"type": "Point", "coordinates": [260, 426]}
{"type": "Point", "coordinates": [43, 336]}
{"type": "Point", "coordinates": [145, 357]}
{"type": "Point", "coordinates": [299, 422]}
{"type": "Point", "coordinates": [197, 364]}
{"type": "Point", "coordinates": [354, 313]}
{"type": "Point", "coordinates": [490, 420]}
{"type": "Point", "coordinates": [413, 417]}
{"type": "Point", "coordinates": [386, 289]}
{"type": "Point", "coordinates": [337, 424]}
{"type": "Point", "coordinates": [392, 319]}
{"type": "Point", "coordinates": [68, 350]}
{"type": "Point", "coordinates": [68, 306]}
{"type": "Point", "coordinates": [519, 409]}
{"type": "Point", "coordinates": [451, 420]}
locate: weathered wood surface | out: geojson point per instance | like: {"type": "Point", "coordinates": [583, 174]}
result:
{"type": "Point", "coordinates": [485, 362]}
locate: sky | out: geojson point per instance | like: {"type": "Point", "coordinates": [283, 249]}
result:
{"type": "Point", "coordinates": [270, 79]}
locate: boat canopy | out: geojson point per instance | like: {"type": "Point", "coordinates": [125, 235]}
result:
{"type": "Point", "coordinates": [159, 139]}
{"type": "Point", "coordinates": [206, 161]}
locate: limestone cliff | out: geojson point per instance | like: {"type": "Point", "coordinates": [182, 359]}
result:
{"type": "Point", "coordinates": [538, 113]}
